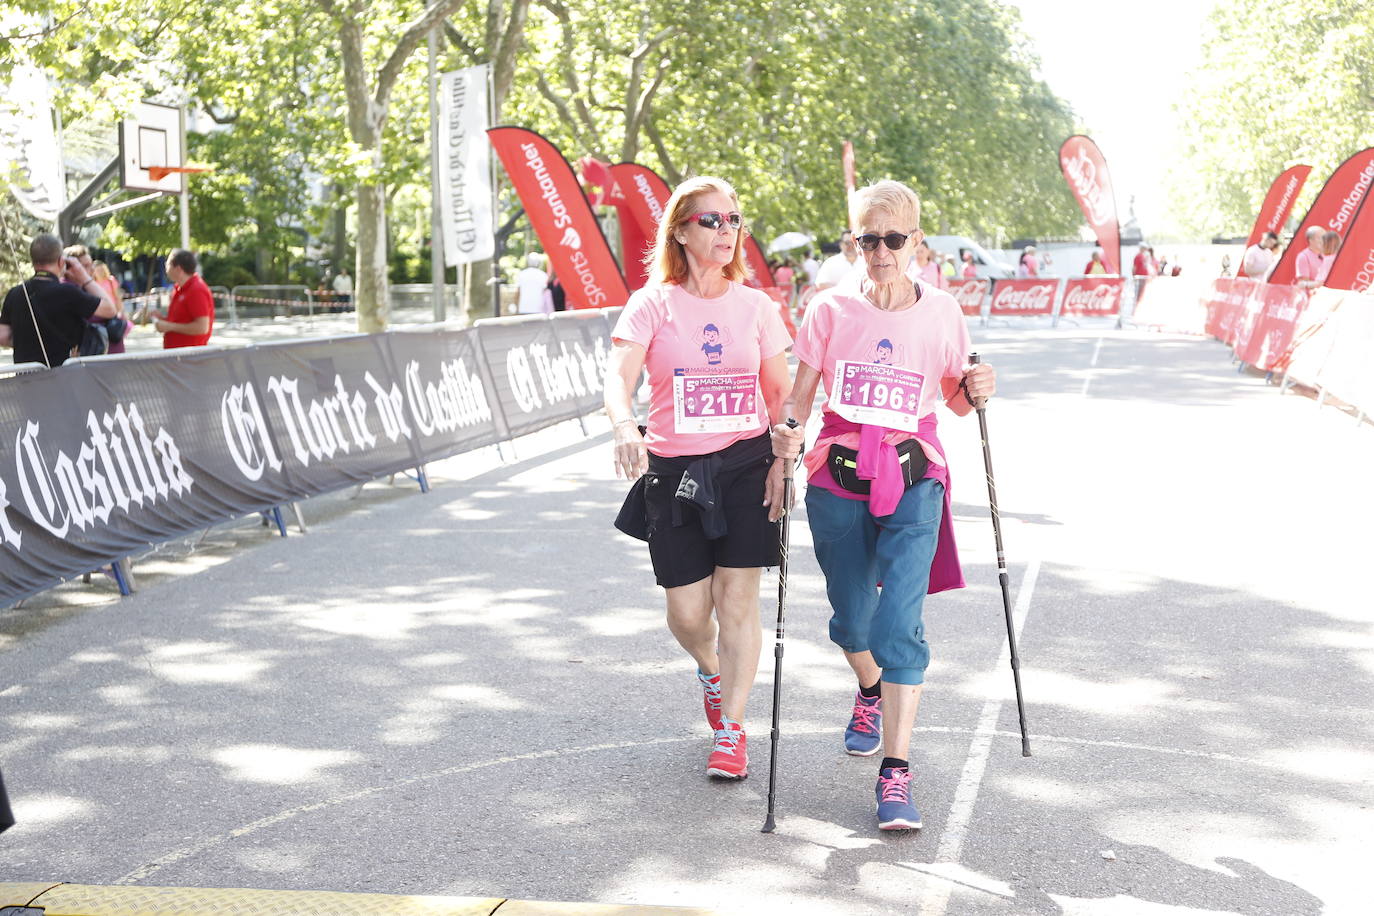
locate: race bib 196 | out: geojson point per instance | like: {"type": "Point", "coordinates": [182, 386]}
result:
{"type": "Point", "coordinates": [877, 394]}
{"type": "Point", "coordinates": [715, 403]}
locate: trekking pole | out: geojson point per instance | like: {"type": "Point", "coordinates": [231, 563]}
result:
{"type": "Point", "coordinates": [768, 823]}
{"type": "Point", "coordinates": [980, 406]}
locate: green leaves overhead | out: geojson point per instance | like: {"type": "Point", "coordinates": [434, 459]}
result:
{"type": "Point", "coordinates": [942, 94]}
{"type": "Point", "coordinates": [1279, 83]}
{"type": "Point", "coordinates": [938, 94]}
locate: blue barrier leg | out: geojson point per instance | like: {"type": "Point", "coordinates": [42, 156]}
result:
{"type": "Point", "coordinates": [117, 568]}
{"type": "Point", "coordinates": [422, 478]}
{"type": "Point", "coordinates": [281, 522]}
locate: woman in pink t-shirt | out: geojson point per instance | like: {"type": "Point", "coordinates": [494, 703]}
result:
{"type": "Point", "coordinates": [889, 352]}
{"type": "Point", "coordinates": [707, 490]}
{"type": "Point", "coordinates": [924, 266]}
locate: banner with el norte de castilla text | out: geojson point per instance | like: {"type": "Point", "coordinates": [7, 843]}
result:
{"type": "Point", "coordinates": [1334, 208]}
{"type": "Point", "coordinates": [465, 166]}
{"type": "Point", "coordinates": [1086, 172]}
{"type": "Point", "coordinates": [561, 217]}
{"type": "Point", "coordinates": [100, 458]}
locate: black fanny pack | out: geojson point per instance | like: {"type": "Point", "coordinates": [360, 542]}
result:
{"type": "Point", "coordinates": [844, 466]}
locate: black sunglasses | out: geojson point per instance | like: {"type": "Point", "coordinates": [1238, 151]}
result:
{"type": "Point", "coordinates": [714, 219]}
{"type": "Point", "coordinates": [893, 240]}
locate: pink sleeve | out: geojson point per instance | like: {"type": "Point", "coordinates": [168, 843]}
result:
{"type": "Point", "coordinates": [812, 336]}
{"type": "Point", "coordinates": [640, 320]}
{"type": "Point", "coordinates": [773, 336]}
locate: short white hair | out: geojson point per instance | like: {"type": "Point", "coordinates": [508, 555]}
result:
{"type": "Point", "coordinates": [890, 197]}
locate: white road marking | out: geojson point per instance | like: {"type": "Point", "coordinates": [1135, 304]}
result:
{"type": "Point", "coordinates": [975, 766]}
{"type": "Point", "coordinates": [1092, 364]}
{"type": "Point", "coordinates": [186, 852]}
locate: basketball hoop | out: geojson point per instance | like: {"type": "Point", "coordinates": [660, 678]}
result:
{"type": "Point", "coordinates": [159, 172]}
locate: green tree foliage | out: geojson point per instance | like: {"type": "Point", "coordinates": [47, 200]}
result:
{"type": "Point", "coordinates": [1279, 83]}
{"type": "Point", "coordinates": [939, 94]}
{"type": "Point", "coordinates": [307, 96]}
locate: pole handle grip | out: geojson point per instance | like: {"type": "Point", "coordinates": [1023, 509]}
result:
{"type": "Point", "coordinates": [788, 466]}
{"type": "Point", "coordinates": [978, 403]}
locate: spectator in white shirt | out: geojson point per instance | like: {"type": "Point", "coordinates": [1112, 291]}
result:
{"type": "Point", "coordinates": [531, 283]}
{"type": "Point", "coordinates": [1260, 257]}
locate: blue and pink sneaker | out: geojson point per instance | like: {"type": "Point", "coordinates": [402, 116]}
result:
{"type": "Point", "coordinates": [864, 734]}
{"type": "Point", "coordinates": [711, 698]}
{"type": "Point", "coordinates": [895, 810]}
{"type": "Point", "coordinates": [730, 756]}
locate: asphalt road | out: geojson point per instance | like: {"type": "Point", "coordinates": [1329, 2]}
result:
{"type": "Point", "coordinates": [472, 691]}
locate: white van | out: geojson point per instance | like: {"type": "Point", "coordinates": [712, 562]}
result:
{"type": "Point", "coordinates": [985, 263]}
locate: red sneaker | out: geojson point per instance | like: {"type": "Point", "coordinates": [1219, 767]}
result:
{"type": "Point", "coordinates": [729, 757]}
{"type": "Point", "coordinates": [711, 698]}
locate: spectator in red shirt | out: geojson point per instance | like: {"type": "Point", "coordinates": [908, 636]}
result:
{"type": "Point", "coordinates": [1144, 264]}
{"type": "Point", "coordinates": [191, 314]}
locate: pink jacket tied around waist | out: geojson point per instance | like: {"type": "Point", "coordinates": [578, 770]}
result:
{"type": "Point", "coordinates": [877, 462]}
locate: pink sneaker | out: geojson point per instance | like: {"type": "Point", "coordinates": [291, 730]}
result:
{"type": "Point", "coordinates": [711, 699]}
{"type": "Point", "coordinates": [729, 757]}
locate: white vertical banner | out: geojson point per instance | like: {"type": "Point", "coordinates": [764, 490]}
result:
{"type": "Point", "coordinates": [29, 142]}
{"type": "Point", "coordinates": [465, 166]}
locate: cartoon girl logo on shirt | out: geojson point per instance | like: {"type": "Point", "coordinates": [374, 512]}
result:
{"type": "Point", "coordinates": [884, 354]}
{"type": "Point", "coordinates": [713, 342]}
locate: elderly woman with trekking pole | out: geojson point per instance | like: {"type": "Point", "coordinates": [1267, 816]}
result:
{"type": "Point", "coordinates": [889, 350]}
{"type": "Point", "coordinates": [708, 489]}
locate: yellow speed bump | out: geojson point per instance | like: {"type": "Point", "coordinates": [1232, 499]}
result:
{"type": "Point", "coordinates": [96, 900]}
{"type": "Point", "coordinates": [19, 894]}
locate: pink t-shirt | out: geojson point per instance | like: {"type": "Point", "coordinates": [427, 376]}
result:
{"type": "Point", "coordinates": [887, 355]}
{"type": "Point", "coordinates": [1309, 265]}
{"type": "Point", "coordinates": [703, 357]}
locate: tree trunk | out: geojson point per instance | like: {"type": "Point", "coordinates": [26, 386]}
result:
{"type": "Point", "coordinates": [371, 293]}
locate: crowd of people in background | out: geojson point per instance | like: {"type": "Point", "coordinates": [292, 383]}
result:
{"type": "Point", "coordinates": [73, 306]}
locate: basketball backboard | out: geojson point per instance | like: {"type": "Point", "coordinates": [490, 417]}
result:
{"type": "Point", "coordinates": [153, 136]}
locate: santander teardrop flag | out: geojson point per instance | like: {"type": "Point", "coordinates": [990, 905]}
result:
{"type": "Point", "coordinates": [643, 195]}
{"type": "Point", "coordinates": [561, 217]}
{"type": "Point", "coordinates": [1278, 203]}
{"type": "Point", "coordinates": [1354, 267]}
{"type": "Point", "coordinates": [1335, 208]}
{"type": "Point", "coordinates": [1086, 172]}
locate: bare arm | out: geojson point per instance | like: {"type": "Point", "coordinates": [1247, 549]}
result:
{"type": "Point", "coordinates": [775, 384]}
{"type": "Point", "coordinates": [195, 326]}
{"type": "Point", "coordinates": [107, 307]}
{"type": "Point", "coordinates": [803, 395]}
{"type": "Point", "coordinates": [6, 336]}
{"type": "Point", "coordinates": [980, 383]}
{"type": "Point", "coordinates": [622, 374]}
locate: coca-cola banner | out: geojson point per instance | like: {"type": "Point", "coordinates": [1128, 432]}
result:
{"type": "Point", "coordinates": [1335, 208]}
{"type": "Point", "coordinates": [561, 217]}
{"type": "Point", "coordinates": [969, 292]}
{"type": "Point", "coordinates": [100, 458]}
{"type": "Point", "coordinates": [1276, 313]}
{"type": "Point", "coordinates": [1086, 172]}
{"type": "Point", "coordinates": [1023, 297]}
{"type": "Point", "coordinates": [1278, 203]}
{"type": "Point", "coordinates": [1092, 296]}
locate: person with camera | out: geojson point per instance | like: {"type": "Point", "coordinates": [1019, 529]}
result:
{"type": "Point", "coordinates": [889, 350]}
{"type": "Point", "coordinates": [43, 318]}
